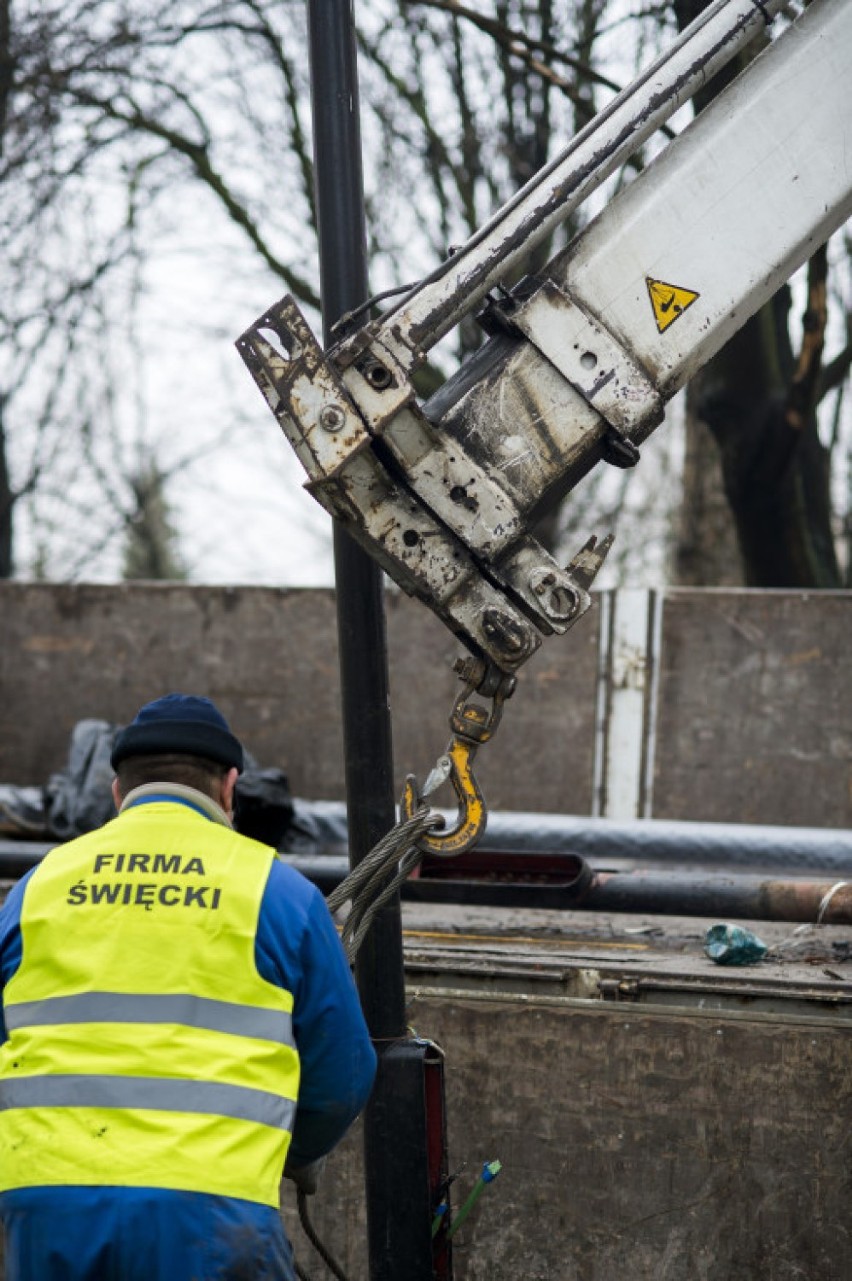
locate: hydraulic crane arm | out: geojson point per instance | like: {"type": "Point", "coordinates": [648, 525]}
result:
{"type": "Point", "coordinates": [584, 356]}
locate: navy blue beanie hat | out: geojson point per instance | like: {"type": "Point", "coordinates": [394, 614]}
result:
{"type": "Point", "coordinates": [183, 724]}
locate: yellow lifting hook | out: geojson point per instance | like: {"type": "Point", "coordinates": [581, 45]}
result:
{"type": "Point", "coordinates": [472, 725]}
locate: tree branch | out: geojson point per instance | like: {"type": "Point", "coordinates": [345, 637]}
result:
{"type": "Point", "coordinates": [198, 156]}
{"type": "Point", "coordinates": [802, 392]}
{"type": "Point", "coordinates": [519, 43]}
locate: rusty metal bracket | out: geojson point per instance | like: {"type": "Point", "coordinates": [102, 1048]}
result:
{"type": "Point", "coordinates": [469, 720]}
{"type": "Point", "coordinates": [314, 408]}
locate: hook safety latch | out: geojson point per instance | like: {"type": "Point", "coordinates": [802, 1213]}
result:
{"type": "Point", "coordinates": [471, 725]}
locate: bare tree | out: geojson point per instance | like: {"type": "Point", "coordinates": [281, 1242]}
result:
{"type": "Point", "coordinates": [110, 116]}
{"type": "Point", "coordinates": [134, 137]}
{"type": "Point", "coordinates": [116, 119]}
{"type": "Point", "coordinates": [150, 550]}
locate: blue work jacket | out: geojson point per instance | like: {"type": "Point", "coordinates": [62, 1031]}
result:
{"type": "Point", "coordinates": [84, 1233]}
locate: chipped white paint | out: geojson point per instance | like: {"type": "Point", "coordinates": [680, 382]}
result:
{"type": "Point", "coordinates": [732, 207]}
{"type": "Point", "coordinates": [628, 680]}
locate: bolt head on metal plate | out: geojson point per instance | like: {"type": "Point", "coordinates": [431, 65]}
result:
{"type": "Point", "coordinates": [511, 640]}
{"type": "Point", "coordinates": [331, 418]}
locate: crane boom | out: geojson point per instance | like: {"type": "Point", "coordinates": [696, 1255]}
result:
{"type": "Point", "coordinates": [584, 356]}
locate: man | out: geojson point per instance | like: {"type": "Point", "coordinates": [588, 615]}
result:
{"type": "Point", "coordinates": [179, 1019]}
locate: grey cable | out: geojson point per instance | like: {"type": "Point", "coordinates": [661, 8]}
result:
{"type": "Point", "coordinates": [311, 1233]}
{"type": "Point", "coordinates": [367, 886]}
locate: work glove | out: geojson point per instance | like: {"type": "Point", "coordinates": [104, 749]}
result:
{"type": "Point", "coordinates": [306, 1177]}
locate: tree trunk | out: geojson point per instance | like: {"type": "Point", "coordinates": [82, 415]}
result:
{"type": "Point", "coordinates": [706, 548]}
{"type": "Point", "coordinates": [7, 497]}
{"type": "Point", "coordinates": [7, 500]}
{"type": "Point", "coordinates": [776, 470]}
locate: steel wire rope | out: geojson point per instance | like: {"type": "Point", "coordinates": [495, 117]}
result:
{"type": "Point", "coordinates": [368, 889]}
{"type": "Point", "coordinates": [367, 885]}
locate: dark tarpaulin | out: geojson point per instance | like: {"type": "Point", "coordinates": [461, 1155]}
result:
{"type": "Point", "coordinates": [78, 798]}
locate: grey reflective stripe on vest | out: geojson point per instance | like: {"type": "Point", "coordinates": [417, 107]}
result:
{"type": "Point", "coordinates": [191, 1011]}
{"type": "Point", "coordinates": [160, 1094]}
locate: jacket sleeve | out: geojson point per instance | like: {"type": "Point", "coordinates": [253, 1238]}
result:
{"type": "Point", "coordinates": [10, 939]}
{"type": "Point", "coordinates": [298, 948]}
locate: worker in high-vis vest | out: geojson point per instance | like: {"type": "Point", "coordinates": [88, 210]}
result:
{"type": "Point", "coordinates": [180, 1027]}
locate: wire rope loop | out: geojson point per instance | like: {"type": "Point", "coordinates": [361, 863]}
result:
{"type": "Point", "coordinates": [374, 881]}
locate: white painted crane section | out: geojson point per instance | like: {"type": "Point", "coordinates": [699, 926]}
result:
{"type": "Point", "coordinates": [731, 209]}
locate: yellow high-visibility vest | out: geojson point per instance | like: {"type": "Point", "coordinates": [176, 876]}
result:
{"type": "Point", "coordinates": [145, 1049]}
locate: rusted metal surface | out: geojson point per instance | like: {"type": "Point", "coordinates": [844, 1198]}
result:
{"type": "Point", "coordinates": [647, 1145]}
{"type": "Point", "coordinates": [701, 893]}
{"type": "Point", "coordinates": [444, 528]}
{"type": "Point", "coordinates": [655, 1115]}
{"type": "Point", "coordinates": [314, 409]}
{"type": "Point", "coordinates": [754, 708]}
{"type": "Point", "coordinates": [747, 717]}
{"type": "Point", "coordinates": [566, 882]}
{"type": "Point", "coordinates": [562, 879]}
{"type": "Point", "coordinates": [824, 902]}
{"type": "Point", "coordinates": [268, 657]}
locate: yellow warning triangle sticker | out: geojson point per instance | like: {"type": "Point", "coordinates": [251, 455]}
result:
{"type": "Point", "coordinates": [668, 301]}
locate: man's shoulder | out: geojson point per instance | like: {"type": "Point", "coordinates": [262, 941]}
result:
{"type": "Point", "coordinates": [291, 902]}
{"type": "Point", "coordinates": [285, 882]}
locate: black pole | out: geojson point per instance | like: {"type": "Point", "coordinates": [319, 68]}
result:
{"type": "Point", "coordinates": [397, 1192]}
